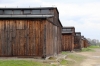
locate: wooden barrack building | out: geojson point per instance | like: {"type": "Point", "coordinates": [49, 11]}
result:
{"type": "Point", "coordinates": [77, 42]}
{"type": "Point", "coordinates": [28, 32]}
{"type": "Point", "coordinates": [82, 41]}
{"type": "Point", "coordinates": [85, 42]}
{"type": "Point", "coordinates": [68, 34]}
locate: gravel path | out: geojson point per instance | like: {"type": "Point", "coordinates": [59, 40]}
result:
{"type": "Point", "coordinates": [93, 58]}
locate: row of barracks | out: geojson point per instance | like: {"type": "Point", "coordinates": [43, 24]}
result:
{"type": "Point", "coordinates": [36, 32]}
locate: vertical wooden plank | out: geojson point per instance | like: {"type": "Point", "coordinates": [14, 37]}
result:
{"type": "Point", "coordinates": [8, 39]}
{"type": "Point", "coordinates": [52, 38]}
{"type": "Point", "coordinates": [34, 38]}
{"type": "Point", "coordinates": [0, 42]}
{"type": "Point", "coordinates": [48, 38]}
{"type": "Point", "coordinates": [30, 30]}
{"type": "Point", "coordinates": [0, 37]}
{"type": "Point", "coordinates": [22, 44]}
{"type": "Point", "coordinates": [43, 38]}
{"type": "Point", "coordinates": [22, 37]}
{"type": "Point", "coordinates": [39, 44]}
{"type": "Point", "coordinates": [26, 42]}
{"type": "Point", "coordinates": [37, 37]}
{"type": "Point", "coordinates": [31, 37]}
{"type": "Point", "coordinates": [17, 39]}
{"type": "Point", "coordinates": [36, 44]}
{"type": "Point", "coordinates": [28, 46]}
{"type": "Point", "coordinates": [62, 42]}
{"type": "Point", "coordinates": [13, 38]}
{"type": "Point", "coordinates": [11, 33]}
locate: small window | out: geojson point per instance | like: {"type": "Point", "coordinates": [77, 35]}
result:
{"type": "Point", "coordinates": [68, 29]}
{"type": "Point", "coordinates": [1, 11]}
{"type": "Point", "coordinates": [27, 12]}
{"type": "Point", "coordinates": [7, 11]}
{"type": "Point", "coordinates": [36, 12]}
{"type": "Point", "coordinates": [64, 30]}
{"type": "Point", "coordinates": [17, 12]}
{"type": "Point", "coordinates": [77, 34]}
{"type": "Point", "coordinates": [45, 11]}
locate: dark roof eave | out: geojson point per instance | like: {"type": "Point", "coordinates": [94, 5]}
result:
{"type": "Point", "coordinates": [69, 27]}
{"type": "Point", "coordinates": [78, 32]}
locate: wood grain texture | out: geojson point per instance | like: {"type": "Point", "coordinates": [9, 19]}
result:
{"type": "Point", "coordinates": [67, 42]}
{"type": "Point", "coordinates": [78, 43]}
{"type": "Point", "coordinates": [53, 39]}
{"type": "Point", "coordinates": [86, 44]}
{"type": "Point", "coordinates": [29, 37]}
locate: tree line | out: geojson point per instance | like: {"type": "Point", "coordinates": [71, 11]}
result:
{"type": "Point", "coordinates": [94, 41]}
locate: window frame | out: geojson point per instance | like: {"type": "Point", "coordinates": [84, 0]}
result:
{"type": "Point", "coordinates": [17, 14]}
{"type": "Point", "coordinates": [45, 10]}
{"type": "Point", "coordinates": [8, 10]}
{"type": "Point", "coordinates": [2, 12]}
{"type": "Point", "coordinates": [25, 13]}
{"type": "Point", "coordinates": [69, 29]}
{"type": "Point", "coordinates": [32, 12]}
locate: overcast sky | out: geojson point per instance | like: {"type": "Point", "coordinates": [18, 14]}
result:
{"type": "Point", "coordinates": [83, 14]}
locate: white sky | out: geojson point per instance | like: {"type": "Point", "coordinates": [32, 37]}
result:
{"type": "Point", "coordinates": [83, 14]}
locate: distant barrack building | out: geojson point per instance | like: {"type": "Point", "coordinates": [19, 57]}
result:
{"type": "Point", "coordinates": [34, 32]}
{"type": "Point", "coordinates": [77, 41]}
{"type": "Point", "coordinates": [85, 42]}
{"type": "Point", "coordinates": [68, 34]}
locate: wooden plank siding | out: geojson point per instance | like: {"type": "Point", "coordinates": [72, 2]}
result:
{"type": "Point", "coordinates": [68, 39]}
{"type": "Point", "coordinates": [29, 37]}
{"type": "Point", "coordinates": [53, 39]}
{"type": "Point", "coordinates": [84, 42]}
{"type": "Point", "coordinates": [77, 42]}
{"type": "Point", "coordinates": [21, 37]}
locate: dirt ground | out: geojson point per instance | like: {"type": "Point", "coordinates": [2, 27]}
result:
{"type": "Point", "coordinates": [93, 58]}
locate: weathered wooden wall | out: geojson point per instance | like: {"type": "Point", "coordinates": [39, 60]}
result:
{"type": "Point", "coordinates": [29, 37]}
{"type": "Point", "coordinates": [21, 37]}
{"type": "Point", "coordinates": [77, 42]}
{"type": "Point", "coordinates": [68, 34]}
{"type": "Point", "coordinates": [53, 39]}
{"type": "Point", "coordinates": [86, 44]}
{"type": "Point", "coordinates": [67, 42]}
{"type": "Point", "coordinates": [82, 43]}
